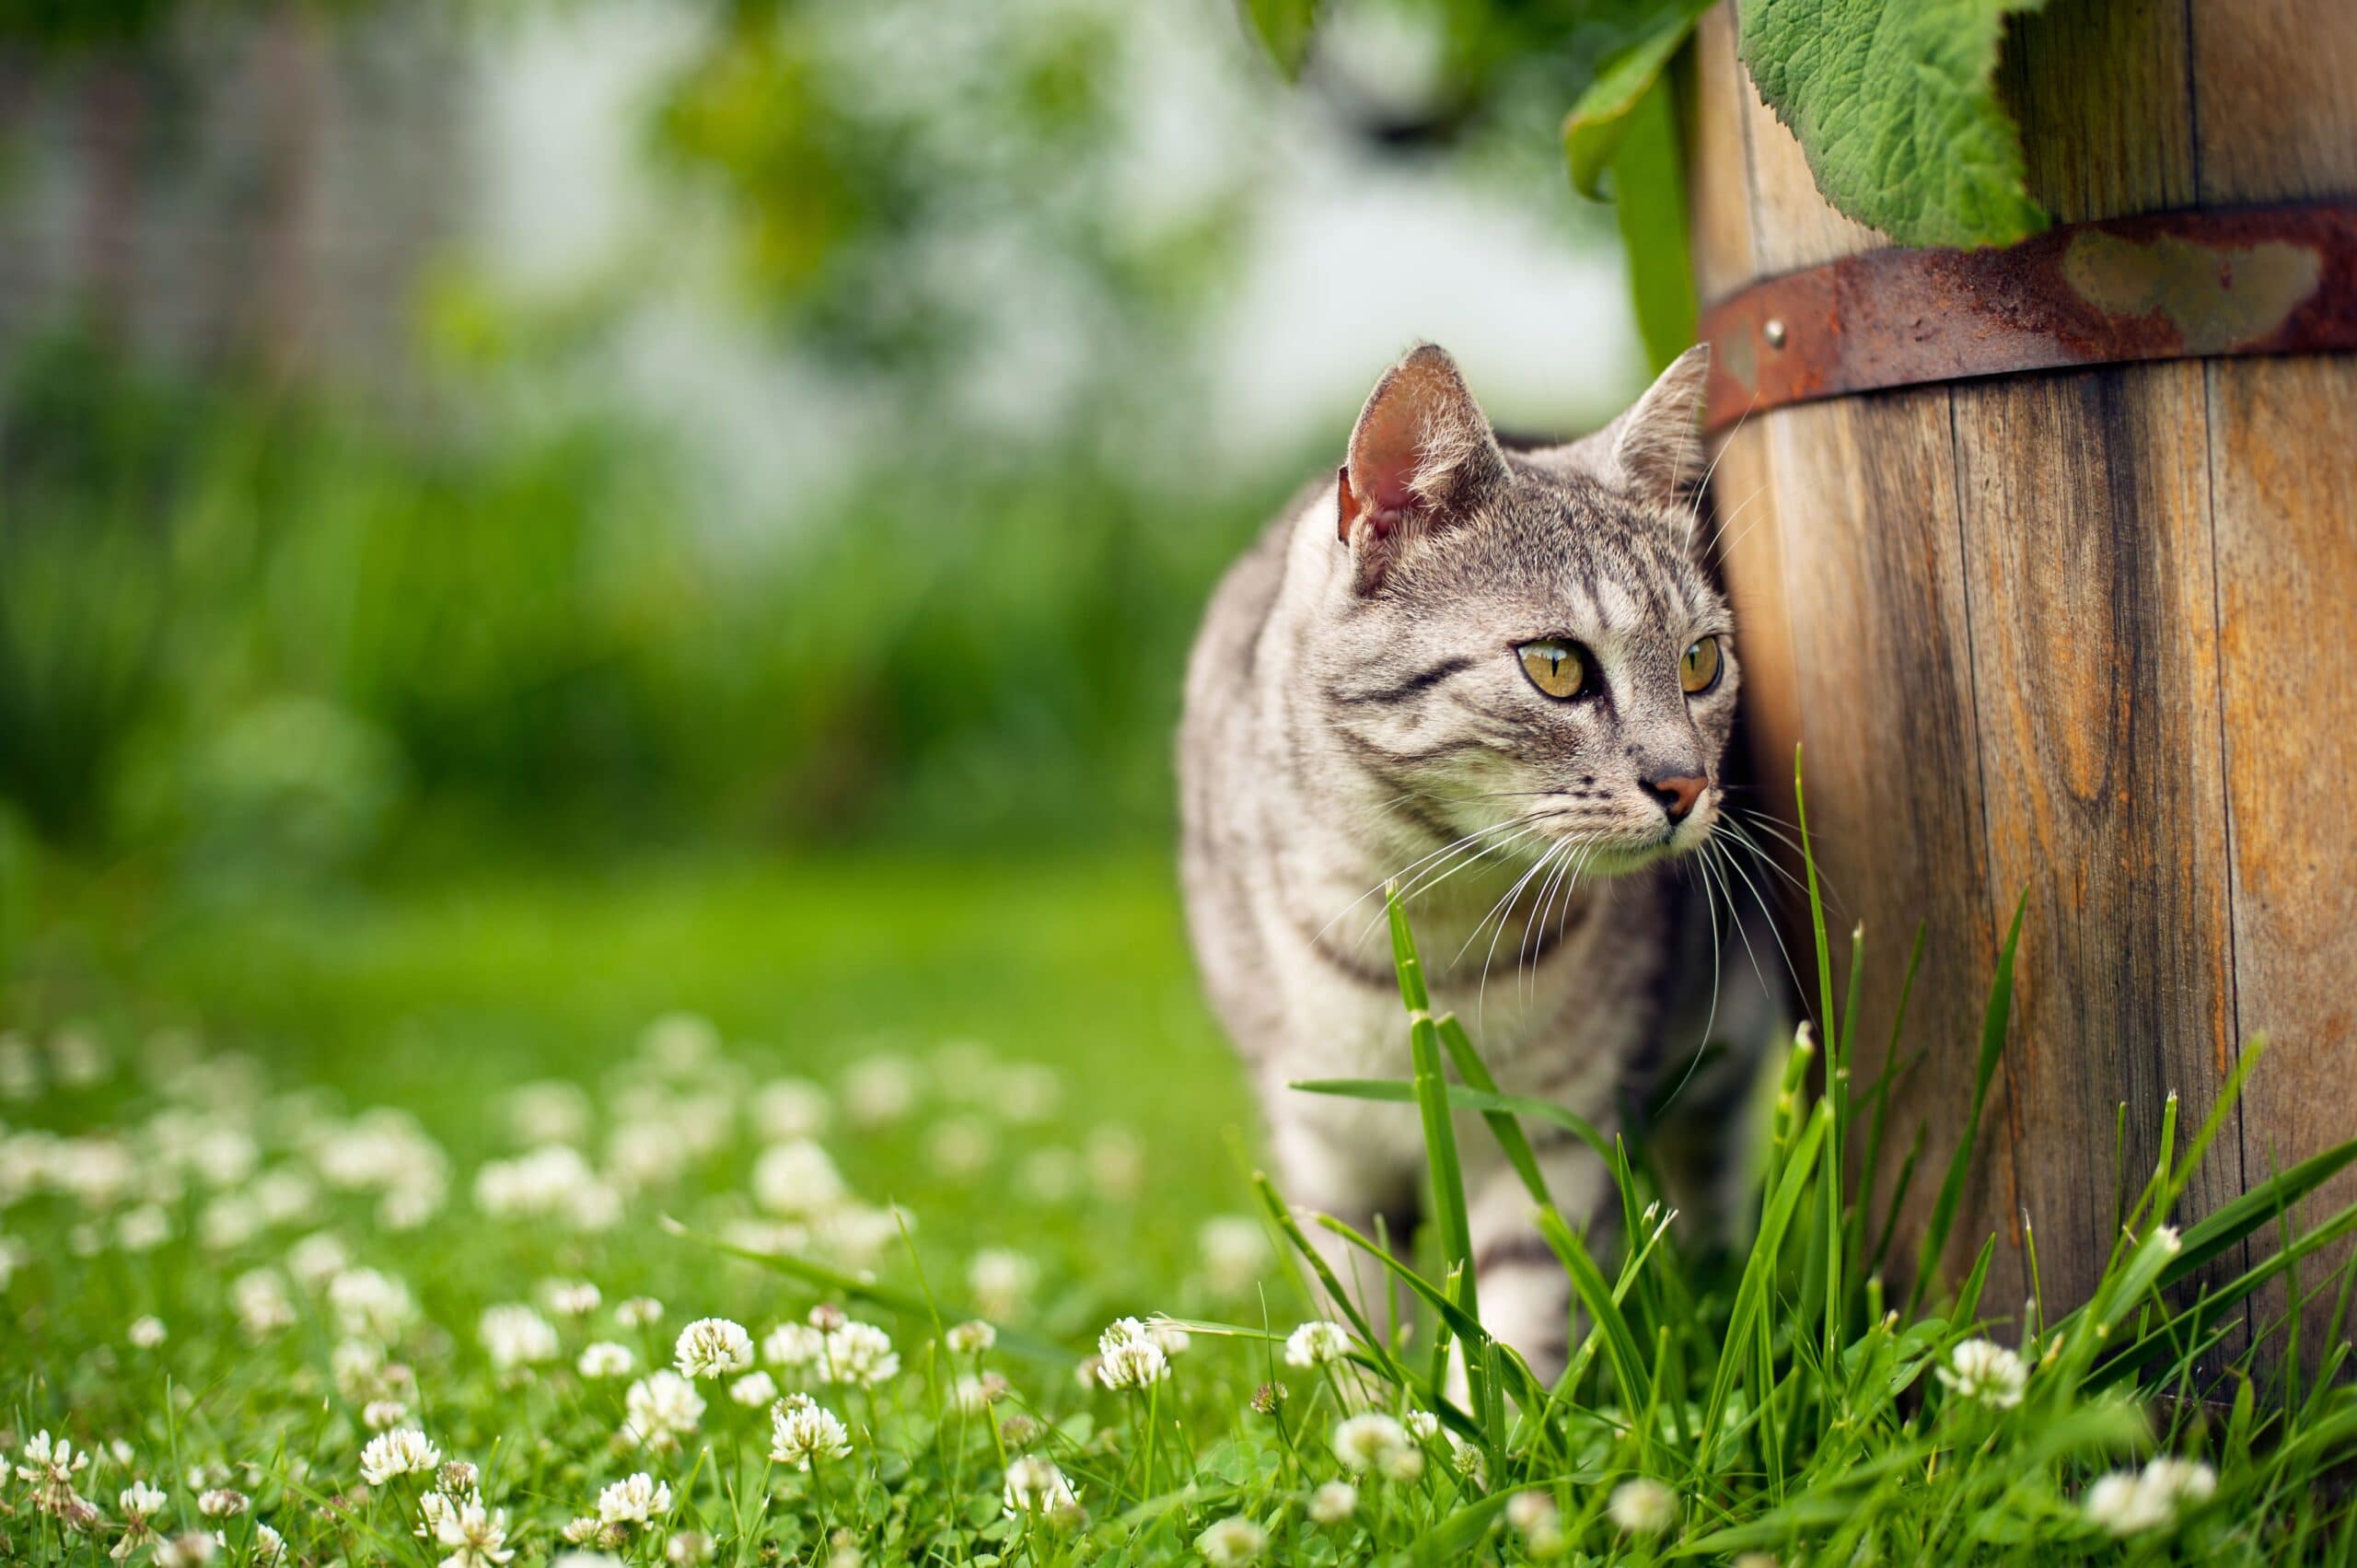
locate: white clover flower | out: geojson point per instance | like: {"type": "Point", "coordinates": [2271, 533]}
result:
{"type": "Point", "coordinates": [1368, 1441]}
{"type": "Point", "coordinates": [146, 1332]}
{"type": "Point", "coordinates": [223, 1503]}
{"type": "Point", "coordinates": [1470, 1462]}
{"type": "Point", "coordinates": [573, 1298]}
{"type": "Point", "coordinates": [476, 1536]}
{"type": "Point", "coordinates": [2131, 1502]}
{"type": "Point", "coordinates": [680, 1043]}
{"type": "Point", "coordinates": [881, 1089]}
{"type": "Point", "coordinates": [754, 1389]}
{"type": "Point", "coordinates": [403, 1451]}
{"type": "Point", "coordinates": [549, 1110]}
{"type": "Point", "coordinates": [792, 1345]}
{"type": "Point", "coordinates": [1986, 1371]}
{"type": "Point", "coordinates": [1317, 1343]}
{"type": "Point", "coordinates": [636, 1499]}
{"type": "Point", "coordinates": [1232, 1543]}
{"type": "Point", "coordinates": [1422, 1425]}
{"type": "Point", "coordinates": [660, 1409]}
{"type": "Point", "coordinates": [190, 1550]}
{"type": "Point", "coordinates": [1236, 1253]}
{"type": "Point", "coordinates": [639, 1312]}
{"type": "Point", "coordinates": [140, 1501]}
{"type": "Point", "coordinates": [1035, 1486]}
{"type": "Point", "coordinates": [713, 1347]}
{"type": "Point", "coordinates": [49, 1465]}
{"type": "Point", "coordinates": [513, 1335]}
{"type": "Point", "coordinates": [144, 1228]}
{"type": "Point", "coordinates": [861, 1354]}
{"type": "Point", "coordinates": [802, 1432]}
{"type": "Point", "coordinates": [971, 1338]}
{"type": "Point", "coordinates": [383, 1415]}
{"type": "Point", "coordinates": [261, 1301]}
{"type": "Point", "coordinates": [1530, 1511]}
{"type": "Point", "coordinates": [367, 1302]}
{"type": "Point", "coordinates": [606, 1359]}
{"type": "Point", "coordinates": [269, 1545]}
{"type": "Point", "coordinates": [1643, 1507]}
{"type": "Point", "coordinates": [798, 1178]}
{"type": "Point", "coordinates": [1333, 1502]}
{"type": "Point", "coordinates": [960, 1146]}
{"type": "Point", "coordinates": [554, 1181]}
{"type": "Point", "coordinates": [688, 1547]}
{"type": "Point", "coordinates": [1133, 1364]}
{"type": "Point", "coordinates": [1001, 1281]}
{"type": "Point", "coordinates": [318, 1258]}
{"type": "Point", "coordinates": [971, 1393]}
{"type": "Point", "coordinates": [432, 1509]}
{"type": "Point", "coordinates": [786, 1109]}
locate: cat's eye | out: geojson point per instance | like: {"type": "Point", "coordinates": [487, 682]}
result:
{"type": "Point", "coordinates": [1554, 667]}
{"type": "Point", "coordinates": [1699, 670]}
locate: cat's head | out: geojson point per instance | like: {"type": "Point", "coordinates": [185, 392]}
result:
{"type": "Point", "coordinates": [1525, 645]}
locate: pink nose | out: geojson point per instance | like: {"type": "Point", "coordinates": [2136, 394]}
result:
{"type": "Point", "coordinates": [1677, 796]}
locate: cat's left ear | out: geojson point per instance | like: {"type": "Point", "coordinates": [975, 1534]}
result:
{"type": "Point", "coordinates": [1420, 457]}
{"type": "Point", "coordinates": [1653, 452]}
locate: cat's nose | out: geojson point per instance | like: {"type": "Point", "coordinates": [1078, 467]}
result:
{"type": "Point", "coordinates": [1677, 794]}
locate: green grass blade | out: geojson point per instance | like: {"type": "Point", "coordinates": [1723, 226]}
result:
{"type": "Point", "coordinates": [1501, 1124]}
{"type": "Point", "coordinates": [1993, 1049]}
{"type": "Point", "coordinates": [1620, 1351]}
{"type": "Point", "coordinates": [899, 1302]}
{"type": "Point", "coordinates": [1402, 1091]}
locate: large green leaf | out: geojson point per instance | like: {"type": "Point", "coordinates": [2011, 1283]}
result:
{"type": "Point", "coordinates": [1893, 102]}
{"type": "Point", "coordinates": [1284, 27]}
{"type": "Point", "coordinates": [1599, 117]}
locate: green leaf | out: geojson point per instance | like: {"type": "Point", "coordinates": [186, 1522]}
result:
{"type": "Point", "coordinates": [1283, 28]}
{"type": "Point", "coordinates": [1893, 102]}
{"type": "Point", "coordinates": [1649, 198]}
{"type": "Point", "coordinates": [1600, 116]}
{"type": "Point", "coordinates": [1402, 1091]}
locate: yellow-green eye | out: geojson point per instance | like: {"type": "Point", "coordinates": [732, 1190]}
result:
{"type": "Point", "coordinates": [1554, 667]}
{"type": "Point", "coordinates": [1699, 670]}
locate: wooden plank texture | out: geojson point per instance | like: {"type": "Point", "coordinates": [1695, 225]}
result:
{"type": "Point", "coordinates": [1875, 585]}
{"type": "Point", "coordinates": [2084, 509]}
{"type": "Point", "coordinates": [2278, 121]}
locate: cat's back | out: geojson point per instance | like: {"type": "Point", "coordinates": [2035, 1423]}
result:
{"type": "Point", "coordinates": [1223, 774]}
{"type": "Point", "coordinates": [1219, 671]}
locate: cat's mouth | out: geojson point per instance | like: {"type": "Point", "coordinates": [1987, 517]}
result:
{"type": "Point", "coordinates": [1616, 850]}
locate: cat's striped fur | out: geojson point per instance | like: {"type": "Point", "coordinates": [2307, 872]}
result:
{"type": "Point", "coordinates": [1356, 711]}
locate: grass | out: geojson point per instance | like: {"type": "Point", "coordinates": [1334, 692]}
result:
{"type": "Point", "coordinates": [1775, 1401]}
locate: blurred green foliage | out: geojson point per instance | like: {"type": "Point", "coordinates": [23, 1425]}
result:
{"type": "Point", "coordinates": [255, 634]}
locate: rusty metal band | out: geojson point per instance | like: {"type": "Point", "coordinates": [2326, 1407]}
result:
{"type": "Point", "coordinates": [2161, 286]}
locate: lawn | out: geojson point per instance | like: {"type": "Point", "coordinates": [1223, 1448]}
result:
{"type": "Point", "coordinates": [886, 1210]}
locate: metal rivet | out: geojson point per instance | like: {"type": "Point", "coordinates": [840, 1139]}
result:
{"type": "Point", "coordinates": [1773, 331]}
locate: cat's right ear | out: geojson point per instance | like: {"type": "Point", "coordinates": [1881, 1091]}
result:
{"type": "Point", "coordinates": [1421, 454]}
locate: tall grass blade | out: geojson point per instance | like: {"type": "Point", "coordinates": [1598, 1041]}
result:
{"type": "Point", "coordinates": [1993, 1049]}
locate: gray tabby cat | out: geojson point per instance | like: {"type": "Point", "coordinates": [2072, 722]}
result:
{"type": "Point", "coordinates": [1504, 679]}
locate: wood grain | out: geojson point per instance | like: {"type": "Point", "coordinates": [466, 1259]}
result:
{"type": "Point", "coordinates": [2083, 505]}
{"type": "Point", "coordinates": [1876, 581]}
{"type": "Point", "coordinates": [2078, 632]}
{"type": "Point", "coordinates": [2278, 121]}
{"type": "Point", "coordinates": [1719, 190]}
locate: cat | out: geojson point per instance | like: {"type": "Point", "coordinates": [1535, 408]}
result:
{"type": "Point", "coordinates": [1506, 679]}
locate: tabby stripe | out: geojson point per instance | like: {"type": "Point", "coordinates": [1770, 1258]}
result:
{"type": "Point", "coordinates": [1389, 695]}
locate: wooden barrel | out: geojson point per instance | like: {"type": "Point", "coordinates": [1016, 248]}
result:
{"type": "Point", "coordinates": [2087, 631]}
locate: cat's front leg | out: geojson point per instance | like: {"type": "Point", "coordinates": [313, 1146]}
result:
{"type": "Point", "coordinates": [1322, 1168]}
{"type": "Point", "coordinates": [1525, 1293]}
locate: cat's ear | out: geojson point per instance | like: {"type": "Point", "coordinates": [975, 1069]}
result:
{"type": "Point", "coordinates": [1421, 454]}
{"type": "Point", "coordinates": [1653, 452]}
